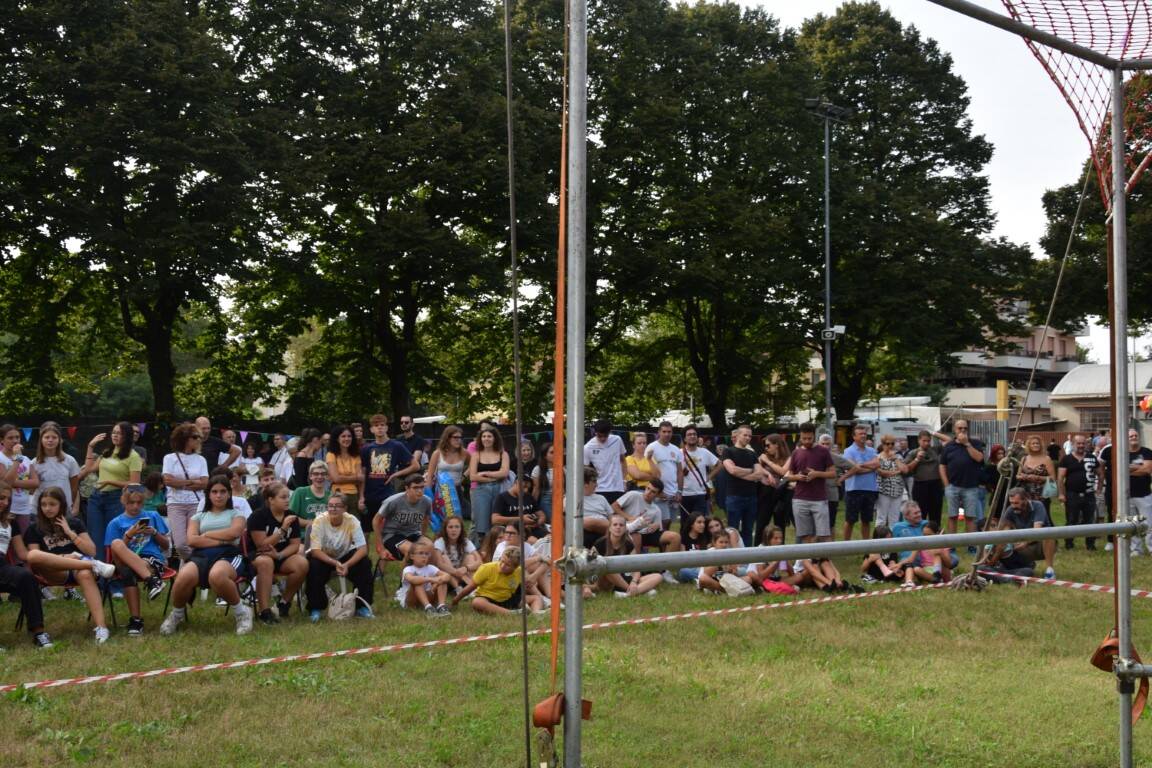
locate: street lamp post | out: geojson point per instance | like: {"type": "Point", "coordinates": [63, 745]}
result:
{"type": "Point", "coordinates": [829, 113]}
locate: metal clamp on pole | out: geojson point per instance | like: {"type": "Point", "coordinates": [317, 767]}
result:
{"type": "Point", "coordinates": [577, 564]}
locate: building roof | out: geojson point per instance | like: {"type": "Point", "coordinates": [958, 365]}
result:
{"type": "Point", "coordinates": [1095, 381]}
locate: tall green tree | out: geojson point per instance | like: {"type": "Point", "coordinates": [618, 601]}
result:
{"type": "Point", "coordinates": [130, 153]}
{"type": "Point", "coordinates": [915, 274]}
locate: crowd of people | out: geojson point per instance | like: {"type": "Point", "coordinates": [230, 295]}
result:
{"type": "Point", "coordinates": [258, 525]}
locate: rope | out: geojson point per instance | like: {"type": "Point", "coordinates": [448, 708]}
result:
{"type": "Point", "coordinates": [508, 105]}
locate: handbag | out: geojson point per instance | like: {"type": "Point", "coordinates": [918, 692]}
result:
{"type": "Point", "coordinates": [735, 586]}
{"type": "Point", "coordinates": [343, 605]}
{"type": "Point", "coordinates": [1049, 488]}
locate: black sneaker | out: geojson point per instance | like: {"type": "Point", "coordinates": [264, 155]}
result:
{"type": "Point", "coordinates": [283, 608]}
{"type": "Point", "coordinates": [42, 640]}
{"type": "Point", "coordinates": [267, 616]}
{"type": "Point", "coordinates": [135, 626]}
{"type": "Point", "coordinates": [155, 587]}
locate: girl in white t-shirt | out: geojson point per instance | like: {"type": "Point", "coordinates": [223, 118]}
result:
{"type": "Point", "coordinates": [459, 550]}
{"type": "Point", "coordinates": [421, 583]}
{"type": "Point", "coordinates": [251, 464]}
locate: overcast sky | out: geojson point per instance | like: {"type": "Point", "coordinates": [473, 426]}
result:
{"type": "Point", "coordinates": [1038, 144]}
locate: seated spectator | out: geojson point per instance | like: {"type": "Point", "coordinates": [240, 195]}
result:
{"type": "Point", "coordinates": [709, 580]}
{"type": "Point", "coordinates": [931, 565]}
{"type": "Point", "coordinates": [453, 543]}
{"type": "Point", "coordinates": [821, 573]}
{"type": "Point", "coordinates": [645, 518]}
{"type": "Point", "coordinates": [311, 500]}
{"type": "Point", "coordinates": [882, 566]}
{"type": "Point", "coordinates": [399, 524]}
{"type": "Point", "coordinates": [216, 560]}
{"type": "Point", "coordinates": [19, 581]}
{"type": "Point", "coordinates": [337, 545]}
{"type": "Point", "coordinates": [498, 587]}
{"type": "Point", "coordinates": [239, 501]}
{"type": "Point", "coordinates": [777, 576]}
{"type": "Point", "coordinates": [137, 542]}
{"type": "Point", "coordinates": [61, 553]}
{"type": "Point", "coordinates": [491, 541]}
{"type": "Point", "coordinates": [277, 551]}
{"type": "Point", "coordinates": [1023, 514]}
{"type": "Point", "coordinates": [615, 542]}
{"type": "Point", "coordinates": [693, 536]}
{"type": "Point", "coordinates": [597, 510]}
{"type": "Point", "coordinates": [519, 503]}
{"type": "Point", "coordinates": [423, 585]}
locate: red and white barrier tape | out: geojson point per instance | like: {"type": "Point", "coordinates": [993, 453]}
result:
{"type": "Point", "coordinates": [1103, 588]}
{"type": "Point", "coordinates": [73, 681]}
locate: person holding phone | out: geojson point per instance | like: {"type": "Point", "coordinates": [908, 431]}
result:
{"type": "Point", "coordinates": [137, 542]}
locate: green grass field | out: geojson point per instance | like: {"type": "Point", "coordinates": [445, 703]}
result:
{"type": "Point", "coordinates": [932, 678]}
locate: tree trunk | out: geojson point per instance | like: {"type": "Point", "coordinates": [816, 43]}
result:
{"type": "Point", "coordinates": [161, 370]}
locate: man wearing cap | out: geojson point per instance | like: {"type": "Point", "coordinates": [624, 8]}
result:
{"type": "Point", "coordinates": [606, 453]}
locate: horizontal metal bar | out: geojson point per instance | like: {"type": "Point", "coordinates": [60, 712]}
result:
{"type": "Point", "coordinates": [1024, 30]}
{"type": "Point", "coordinates": [1136, 64]}
{"type": "Point", "coordinates": [595, 567]}
{"type": "Point", "coordinates": [1131, 670]}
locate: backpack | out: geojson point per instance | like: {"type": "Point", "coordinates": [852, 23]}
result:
{"type": "Point", "coordinates": [343, 605]}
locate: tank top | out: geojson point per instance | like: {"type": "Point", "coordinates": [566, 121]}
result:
{"type": "Point", "coordinates": [482, 466]}
{"type": "Point", "coordinates": [455, 469]}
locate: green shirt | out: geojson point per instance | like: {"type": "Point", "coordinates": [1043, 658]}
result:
{"type": "Point", "coordinates": [306, 505]}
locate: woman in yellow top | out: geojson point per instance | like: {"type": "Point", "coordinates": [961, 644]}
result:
{"type": "Point", "coordinates": [347, 473]}
{"type": "Point", "coordinates": [117, 467]}
{"type": "Point", "coordinates": [640, 468]}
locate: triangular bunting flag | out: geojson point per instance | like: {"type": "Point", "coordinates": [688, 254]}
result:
{"type": "Point", "coordinates": [142, 426]}
{"type": "Point", "coordinates": [71, 432]}
{"type": "Point", "coordinates": [27, 433]}
{"type": "Point", "coordinates": [243, 437]}
{"type": "Point", "coordinates": [264, 436]}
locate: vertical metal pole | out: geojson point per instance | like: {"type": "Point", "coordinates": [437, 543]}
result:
{"type": "Point", "coordinates": [1119, 332]}
{"type": "Point", "coordinates": [828, 420]}
{"type": "Point", "coordinates": [574, 465]}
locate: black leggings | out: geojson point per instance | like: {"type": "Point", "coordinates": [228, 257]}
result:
{"type": "Point", "coordinates": [359, 574]}
{"type": "Point", "coordinates": [20, 582]}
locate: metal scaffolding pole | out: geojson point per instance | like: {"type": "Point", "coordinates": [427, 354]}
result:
{"type": "Point", "coordinates": [574, 439]}
{"type": "Point", "coordinates": [1119, 333]}
{"type": "Point", "coordinates": [599, 566]}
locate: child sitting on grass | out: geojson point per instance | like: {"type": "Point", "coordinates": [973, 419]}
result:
{"type": "Point", "coordinates": [777, 576]}
{"type": "Point", "coordinates": [933, 565]}
{"type": "Point", "coordinates": [882, 566]}
{"type": "Point", "coordinates": [822, 574]}
{"type": "Point", "coordinates": [710, 576]}
{"type": "Point", "coordinates": [498, 586]}
{"type": "Point", "coordinates": [421, 581]}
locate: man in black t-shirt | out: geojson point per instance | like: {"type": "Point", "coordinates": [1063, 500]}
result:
{"type": "Point", "coordinates": [519, 503]}
{"type": "Point", "coordinates": [211, 447]}
{"type": "Point", "coordinates": [743, 483]}
{"type": "Point", "coordinates": [1139, 485]}
{"type": "Point", "coordinates": [1076, 480]}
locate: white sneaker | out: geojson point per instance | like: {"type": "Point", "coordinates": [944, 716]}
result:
{"type": "Point", "coordinates": [1108, 547]}
{"type": "Point", "coordinates": [620, 594]}
{"type": "Point", "coordinates": [171, 621]}
{"type": "Point", "coordinates": [1049, 573]}
{"type": "Point", "coordinates": [47, 594]}
{"type": "Point", "coordinates": [103, 570]}
{"type": "Point", "coordinates": [243, 618]}
{"type": "Point", "coordinates": [669, 578]}
{"type": "Point", "coordinates": [102, 635]}
{"type": "Point", "coordinates": [651, 593]}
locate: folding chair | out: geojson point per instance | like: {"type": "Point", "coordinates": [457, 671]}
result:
{"type": "Point", "coordinates": [168, 575]}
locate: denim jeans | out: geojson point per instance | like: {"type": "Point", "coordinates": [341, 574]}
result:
{"type": "Point", "coordinates": [484, 497]}
{"type": "Point", "coordinates": [741, 512]}
{"type": "Point", "coordinates": [971, 499]}
{"type": "Point", "coordinates": [103, 508]}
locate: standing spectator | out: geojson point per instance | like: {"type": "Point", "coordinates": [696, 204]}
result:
{"type": "Point", "coordinates": [386, 464]}
{"type": "Point", "coordinates": [450, 458]}
{"type": "Point", "coordinates": [890, 474]}
{"type": "Point", "coordinates": [808, 467]}
{"type": "Point", "coordinates": [17, 471]}
{"type": "Point", "coordinates": [1053, 450]}
{"type": "Point", "coordinates": [56, 468]}
{"type": "Point", "coordinates": [961, 462]}
{"type": "Point", "coordinates": [700, 466]}
{"type": "Point", "coordinates": [842, 466]}
{"type": "Point", "coordinates": [526, 463]}
{"type": "Point", "coordinates": [308, 450]}
{"type": "Point", "coordinates": [774, 504]}
{"type": "Point", "coordinates": [669, 463]}
{"type": "Point", "coordinates": [186, 476]}
{"type": "Point", "coordinates": [487, 469]}
{"type": "Point", "coordinates": [1139, 485]}
{"type": "Point", "coordinates": [279, 452]}
{"type": "Point", "coordinates": [216, 452]}
{"type": "Point", "coordinates": [605, 453]}
{"type": "Point", "coordinates": [249, 467]}
{"type": "Point", "coordinates": [861, 483]}
{"type": "Point", "coordinates": [117, 467]}
{"type": "Point", "coordinates": [346, 471]}
{"type": "Point", "coordinates": [542, 479]}
{"type": "Point", "coordinates": [1076, 478]}
{"type": "Point", "coordinates": [744, 475]}
{"type": "Point", "coordinates": [1036, 469]}
{"type": "Point", "coordinates": [995, 487]}
{"type": "Point", "coordinates": [638, 468]}
{"type": "Point", "coordinates": [923, 465]}
{"type": "Point", "coordinates": [416, 445]}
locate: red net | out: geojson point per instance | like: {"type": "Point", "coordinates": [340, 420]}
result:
{"type": "Point", "coordinates": [1121, 29]}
